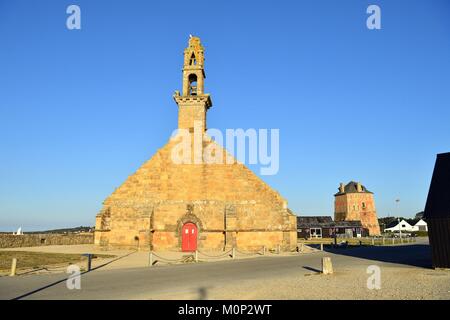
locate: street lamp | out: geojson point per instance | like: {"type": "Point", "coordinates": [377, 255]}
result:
{"type": "Point", "coordinates": [398, 219]}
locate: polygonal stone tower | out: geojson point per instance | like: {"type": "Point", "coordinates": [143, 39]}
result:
{"type": "Point", "coordinates": [354, 202]}
{"type": "Point", "coordinates": [172, 205]}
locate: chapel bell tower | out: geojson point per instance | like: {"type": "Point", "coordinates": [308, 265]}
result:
{"type": "Point", "coordinates": [193, 103]}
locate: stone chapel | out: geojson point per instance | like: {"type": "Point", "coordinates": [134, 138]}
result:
{"type": "Point", "coordinates": [166, 205]}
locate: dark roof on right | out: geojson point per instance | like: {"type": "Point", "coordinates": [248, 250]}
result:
{"type": "Point", "coordinates": [438, 201]}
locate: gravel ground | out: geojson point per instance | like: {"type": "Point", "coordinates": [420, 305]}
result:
{"type": "Point", "coordinates": [396, 283]}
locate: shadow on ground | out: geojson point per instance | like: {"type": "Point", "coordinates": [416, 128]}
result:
{"type": "Point", "coordinates": [65, 279]}
{"type": "Point", "coordinates": [312, 269]}
{"type": "Point", "coordinates": [416, 255]}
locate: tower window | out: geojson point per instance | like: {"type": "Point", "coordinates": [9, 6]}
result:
{"type": "Point", "coordinates": [193, 61]}
{"type": "Point", "coordinates": [192, 84]}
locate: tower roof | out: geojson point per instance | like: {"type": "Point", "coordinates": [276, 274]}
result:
{"type": "Point", "coordinates": [195, 43]}
{"type": "Point", "coordinates": [352, 187]}
{"type": "Point", "coordinates": [194, 54]}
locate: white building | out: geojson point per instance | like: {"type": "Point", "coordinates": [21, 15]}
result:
{"type": "Point", "coordinates": [421, 226]}
{"type": "Point", "coordinates": [406, 227]}
{"type": "Point", "coordinates": [402, 225]}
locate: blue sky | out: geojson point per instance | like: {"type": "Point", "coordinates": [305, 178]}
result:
{"type": "Point", "coordinates": [80, 110]}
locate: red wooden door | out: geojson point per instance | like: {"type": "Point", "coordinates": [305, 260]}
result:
{"type": "Point", "coordinates": [189, 237]}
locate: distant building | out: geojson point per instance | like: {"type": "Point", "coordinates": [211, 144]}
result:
{"type": "Point", "coordinates": [396, 226]}
{"type": "Point", "coordinates": [314, 227]}
{"type": "Point", "coordinates": [325, 227]}
{"type": "Point", "coordinates": [354, 202]}
{"type": "Point", "coordinates": [421, 225]}
{"type": "Point", "coordinates": [404, 226]}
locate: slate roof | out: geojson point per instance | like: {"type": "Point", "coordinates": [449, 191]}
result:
{"type": "Point", "coordinates": [351, 187]}
{"type": "Point", "coordinates": [305, 222]}
{"type": "Point", "coordinates": [350, 224]}
{"type": "Point", "coordinates": [325, 222]}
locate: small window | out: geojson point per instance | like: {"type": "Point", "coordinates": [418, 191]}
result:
{"type": "Point", "coordinates": [193, 61]}
{"type": "Point", "coordinates": [316, 233]}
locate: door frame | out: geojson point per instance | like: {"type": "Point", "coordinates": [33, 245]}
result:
{"type": "Point", "coordinates": [192, 218]}
{"type": "Point", "coordinates": [194, 227]}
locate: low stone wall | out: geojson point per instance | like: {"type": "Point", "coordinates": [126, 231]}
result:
{"type": "Point", "coordinates": [35, 240]}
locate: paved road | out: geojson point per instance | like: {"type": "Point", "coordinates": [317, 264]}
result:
{"type": "Point", "coordinates": [179, 280]}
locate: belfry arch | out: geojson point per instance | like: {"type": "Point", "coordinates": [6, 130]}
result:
{"type": "Point", "coordinates": [192, 84]}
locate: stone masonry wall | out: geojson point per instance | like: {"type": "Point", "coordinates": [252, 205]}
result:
{"type": "Point", "coordinates": [230, 205]}
{"type": "Point", "coordinates": [34, 240]}
{"type": "Point", "coordinates": [358, 206]}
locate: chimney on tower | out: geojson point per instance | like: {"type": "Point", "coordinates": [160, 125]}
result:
{"type": "Point", "coordinates": [341, 188]}
{"type": "Point", "coordinates": [358, 187]}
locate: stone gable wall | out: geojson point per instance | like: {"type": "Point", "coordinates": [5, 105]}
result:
{"type": "Point", "coordinates": [229, 204]}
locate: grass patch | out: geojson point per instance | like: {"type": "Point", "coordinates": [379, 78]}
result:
{"type": "Point", "coordinates": [36, 260]}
